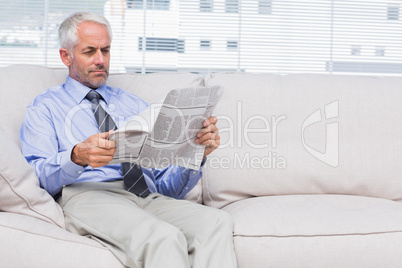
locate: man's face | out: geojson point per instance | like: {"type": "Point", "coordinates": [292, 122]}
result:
{"type": "Point", "coordinates": [90, 65]}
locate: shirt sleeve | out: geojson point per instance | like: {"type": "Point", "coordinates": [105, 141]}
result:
{"type": "Point", "coordinates": [174, 181]}
{"type": "Point", "coordinates": [39, 145]}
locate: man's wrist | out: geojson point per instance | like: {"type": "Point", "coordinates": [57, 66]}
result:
{"type": "Point", "coordinates": [75, 159]}
{"type": "Point", "coordinates": [72, 169]}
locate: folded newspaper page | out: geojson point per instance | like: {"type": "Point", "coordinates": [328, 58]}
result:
{"type": "Point", "coordinates": [164, 134]}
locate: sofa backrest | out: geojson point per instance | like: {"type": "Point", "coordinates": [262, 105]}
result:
{"type": "Point", "coordinates": [21, 83]}
{"type": "Point", "coordinates": [306, 134]}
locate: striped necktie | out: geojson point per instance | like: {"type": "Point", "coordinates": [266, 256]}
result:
{"type": "Point", "coordinates": [133, 177]}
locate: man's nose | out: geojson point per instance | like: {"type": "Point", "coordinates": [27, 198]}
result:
{"type": "Point", "coordinates": [99, 58]}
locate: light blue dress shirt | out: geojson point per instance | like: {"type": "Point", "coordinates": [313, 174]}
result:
{"type": "Point", "coordinates": [61, 117]}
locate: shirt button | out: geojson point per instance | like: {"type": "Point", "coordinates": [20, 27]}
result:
{"type": "Point", "coordinates": [194, 172]}
{"type": "Point", "coordinates": [186, 188]}
{"type": "Point", "coordinates": [79, 172]}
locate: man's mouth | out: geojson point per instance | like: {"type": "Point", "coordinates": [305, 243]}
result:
{"type": "Point", "coordinates": [98, 71]}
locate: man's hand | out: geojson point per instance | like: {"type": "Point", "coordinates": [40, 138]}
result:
{"type": "Point", "coordinates": [209, 135]}
{"type": "Point", "coordinates": [96, 151]}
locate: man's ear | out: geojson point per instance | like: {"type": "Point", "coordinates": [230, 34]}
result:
{"type": "Point", "coordinates": [65, 56]}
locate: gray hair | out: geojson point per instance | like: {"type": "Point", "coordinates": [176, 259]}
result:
{"type": "Point", "coordinates": [68, 29]}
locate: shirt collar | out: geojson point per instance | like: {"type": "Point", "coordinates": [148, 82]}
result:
{"type": "Point", "coordinates": [78, 91]}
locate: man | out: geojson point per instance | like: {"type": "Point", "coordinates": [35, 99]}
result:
{"type": "Point", "coordinates": [152, 231]}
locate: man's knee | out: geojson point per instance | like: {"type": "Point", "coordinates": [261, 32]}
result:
{"type": "Point", "coordinates": [167, 234]}
{"type": "Point", "coordinates": [164, 246]}
{"type": "Point", "coordinates": [224, 220]}
{"type": "Point", "coordinates": [216, 221]}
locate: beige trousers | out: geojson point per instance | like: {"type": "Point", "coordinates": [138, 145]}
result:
{"type": "Point", "coordinates": [156, 232]}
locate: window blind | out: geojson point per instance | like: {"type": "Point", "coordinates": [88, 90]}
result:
{"type": "Point", "coordinates": [201, 36]}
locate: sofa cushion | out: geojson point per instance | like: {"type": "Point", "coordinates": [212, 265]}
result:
{"type": "Point", "coordinates": [154, 87]}
{"type": "Point", "coordinates": [29, 242]}
{"type": "Point", "coordinates": [20, 84]}
{"type": "Point", "coordinates": [317, 230]}
{"type": "Point", "coordinates": [306, 134]}
{"type": "Point", "coordinates": [19, 187]}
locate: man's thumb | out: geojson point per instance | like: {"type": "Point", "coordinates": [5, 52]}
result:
{"type": "Point", "coordinates": [105, 135]}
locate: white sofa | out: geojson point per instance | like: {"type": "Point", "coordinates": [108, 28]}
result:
{"type": "Point", "coordinates": [309, 168]}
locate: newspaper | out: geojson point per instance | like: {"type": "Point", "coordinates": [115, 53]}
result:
{"type": "Point", "coordinates": [164, 134]}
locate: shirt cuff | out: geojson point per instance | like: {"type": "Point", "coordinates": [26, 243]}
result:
{"type": "Point", "coordinates": [193, 177]}
{"type": "Point", "coordinates": [69, 167]}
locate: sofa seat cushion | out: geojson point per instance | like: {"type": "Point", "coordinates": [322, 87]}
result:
{"type": "Point", "coordinates": [29, 242]}
{"type": "Point", "coordinates": [317, 231]}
